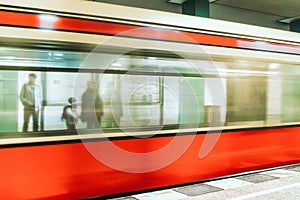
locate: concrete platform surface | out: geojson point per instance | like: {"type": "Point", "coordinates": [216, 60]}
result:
{"type": "Point", "coordinates": [278, 184]}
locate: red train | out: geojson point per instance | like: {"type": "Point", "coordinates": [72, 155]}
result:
{"type": "Point", "coordinates": [184, 99]}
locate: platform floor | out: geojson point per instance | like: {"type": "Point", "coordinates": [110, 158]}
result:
{"type": "Point", "coordinates": [276, 184]}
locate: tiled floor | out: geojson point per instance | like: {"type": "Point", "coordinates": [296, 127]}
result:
{"type": "Point", "coordinates": [276, 184]}
{"type": "Point", "coordinates": [197, 189]}
{"type": "Point", "coordinates": [162, 194]}
{"type": "Point", "coordinates": [228, 183]}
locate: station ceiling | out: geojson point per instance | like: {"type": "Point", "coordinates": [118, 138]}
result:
{"type": "Point", "coordinates": [282, 8]}
{"type": "Point", "coordinates": [268, 13]}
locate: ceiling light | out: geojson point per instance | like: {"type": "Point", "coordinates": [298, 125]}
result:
{"type": "Point", "coordinates": [151, 58]}
{"type": "Point", "coordinates": [116, 64]}
{"type": "Point", "coordinates": [273, 66]}
{"type": "Point", "coordinates": [58, 54]}
{"type": "Point", "coordinates": [9, 57]}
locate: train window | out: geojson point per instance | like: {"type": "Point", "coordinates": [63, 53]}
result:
{"type": "Point", "coordinates": [290, 109]}
{"type": "Point", "coordinates": [142, 89]}
{"type": "Point", "coordinates": [8, 103]}
{"type": "Point", "coordinates": [246, 99]}
{"type": "Point", "coordinates": [136, 91]}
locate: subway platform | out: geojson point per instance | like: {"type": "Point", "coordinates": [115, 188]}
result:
{"type": "Point", "coordinates": [275, 184]}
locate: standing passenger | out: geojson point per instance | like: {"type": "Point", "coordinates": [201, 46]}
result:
{"type": "Point", "coordinates": [31, 98]}
{"type": "Point", "coordinates": [70, 114]}
{"type": "Point", "coordinates": [117, 108]}
{"type": "Point", "coordinates": [92, 106]}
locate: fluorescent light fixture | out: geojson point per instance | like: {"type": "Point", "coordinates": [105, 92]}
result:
{"type": "Point", "coordinates": [273, 66]}
{"type": "Point", "coordinates": [151, 58]}
{"type": "Point", "coordinates": [9, 57]}
{"type": "Point", "coordinates": [58, 54]}
{"type": "Point", "coordinates": [246, 72]}
{"type": "Point", "coordinates": [116, 64]}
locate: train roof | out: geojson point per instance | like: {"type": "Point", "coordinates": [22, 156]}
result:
{"type": "Point", "coordinates": [138, 15]}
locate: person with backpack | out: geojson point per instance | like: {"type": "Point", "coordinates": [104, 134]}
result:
{"type": "Point", "coordinates": [70, 114]}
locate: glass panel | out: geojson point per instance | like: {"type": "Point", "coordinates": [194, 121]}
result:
{"type": "Point", "coordinates": [137, 90]}
{"type": "Point", "coordinates": [290, 94]}
{"type": "Point", "coordinates": [246, 99]}
{"type": "Point", "coordinates": [140, 97]}
{"type": "Point", "coordinates": [8, 101]}
{"type": "Point", "coordinates": [38, 58]}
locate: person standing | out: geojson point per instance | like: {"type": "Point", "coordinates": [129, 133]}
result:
{"type": "Point", "coordinates": [117, 108]}
{"type": "Point", "coordinates": [70, 114]}
{"type": "Point", "coordinates": [92, 106]}
{"type": "Point", "coordinates": [31, 98]}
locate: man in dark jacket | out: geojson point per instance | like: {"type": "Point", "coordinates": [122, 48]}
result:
{"type": "Point", "coordinates": [92, 106]}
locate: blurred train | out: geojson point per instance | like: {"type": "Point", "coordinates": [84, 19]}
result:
{"type": "Point", "coordinates": [185, 99]}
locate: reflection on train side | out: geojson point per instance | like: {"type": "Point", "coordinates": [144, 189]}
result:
{"type": "Point", "coordinates": [139, 91]}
